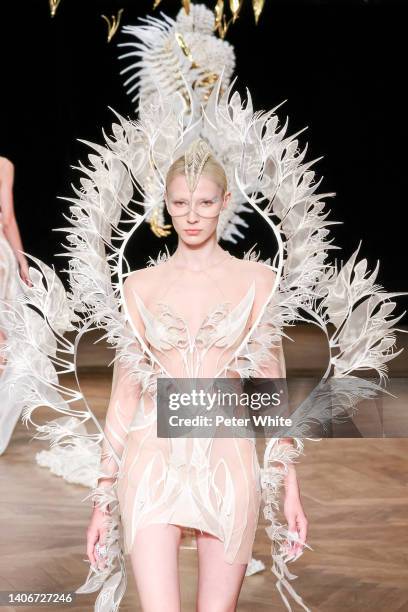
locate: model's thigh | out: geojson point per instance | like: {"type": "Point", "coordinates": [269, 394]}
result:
{"type": "Point", "coordinates": [219, 582]}
{"type": "Point", "coordinates": [154, 558]}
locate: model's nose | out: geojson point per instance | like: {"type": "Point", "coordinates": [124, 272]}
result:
{"type": "Point", "coordinates": [192, 216]}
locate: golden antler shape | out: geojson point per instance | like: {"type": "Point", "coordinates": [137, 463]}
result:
{"type": "Point", "coordinates": [113, 27]}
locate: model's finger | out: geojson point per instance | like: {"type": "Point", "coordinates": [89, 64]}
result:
{"type": "Point", "coordinates": [292, 525]}
{"type": "Point", "coordinates": [292, 530]}
{"type": "Point", "coordinates": [102, 541]}
{"type": "Point", "coordinates": [303, 529]}
{"type": "Point", "coordinates": [91, 539]}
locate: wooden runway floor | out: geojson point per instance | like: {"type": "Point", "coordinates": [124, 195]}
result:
{"type": "Point", "coordinates": [354, 491]}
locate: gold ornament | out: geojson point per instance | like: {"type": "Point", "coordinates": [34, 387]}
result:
{"type": "Point", "coordinates": [184, 47]}
{"type": "Point", "coordinates": [206, 82]}
{"type": "Point", "coordinates": [235, 7]}
{"type": "Point", "coordinates": [186, 6]}
{"type": "Point", "coordinates": [113, 27]}
{"type": "Point", "coordinates": [221, 24]}
{"type": "Point", "coordinates": [257, 5]}
{"type": "Point", "coordinates": [158, 230]}
{"type": "Point", "coordinates": [53, 6]}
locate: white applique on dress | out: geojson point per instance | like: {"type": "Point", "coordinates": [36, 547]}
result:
{"type": "Point", "coordinates": [221, 328]}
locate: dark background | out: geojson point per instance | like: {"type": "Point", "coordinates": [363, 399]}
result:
{"type": "Point", "coordinates": [341, 66]}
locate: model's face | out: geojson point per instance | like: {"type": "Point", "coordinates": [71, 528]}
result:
{"type": "Point", "coordinates": [195, 216]}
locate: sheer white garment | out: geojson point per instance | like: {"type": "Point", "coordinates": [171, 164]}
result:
{"type": "Point", "coordinates": [10, 405]}
{"type": "Point", "coordinates": [210, 484]}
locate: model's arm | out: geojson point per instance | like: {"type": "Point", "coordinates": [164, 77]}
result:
{"type": "Point", "coordinates": [124, 400]}
{"type": "Point", "coordinates": [9, 222]}
{"type": "Point", "coordinates": [275, 367]}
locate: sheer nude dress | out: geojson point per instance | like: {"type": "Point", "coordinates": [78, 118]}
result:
{"type": "Point", "coordinates": [209, 484]}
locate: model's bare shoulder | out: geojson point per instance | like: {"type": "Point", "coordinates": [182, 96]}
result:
{"type": "Point", "coordinates": [137, 283]}
{"type": "Point", "coordinates": [263, 274]}
{"type": "Point", "coordinates": [145, 280]}
{"type": "Point", "coordinates": [6, 166]}
{"type": "Point", "coordinates": [138, 280]}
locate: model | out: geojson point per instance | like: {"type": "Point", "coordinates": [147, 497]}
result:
{"type": "Point", "coordinates": [193, 311]}
{"type": "Point", "coordinates": [12, 263]}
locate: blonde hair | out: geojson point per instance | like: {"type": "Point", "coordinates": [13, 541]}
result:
{"type": "Point", "coordinates": [211, 168]}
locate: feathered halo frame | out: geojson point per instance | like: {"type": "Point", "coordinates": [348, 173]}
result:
{"type": "Point", "coordinates": [269, 170]}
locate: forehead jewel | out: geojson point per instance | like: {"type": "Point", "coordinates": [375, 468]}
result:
{"type": "Point", "coordinates": [194, 160]}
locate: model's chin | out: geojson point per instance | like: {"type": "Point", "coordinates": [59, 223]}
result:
{"type": "Point", "coordinates": [192, 239]}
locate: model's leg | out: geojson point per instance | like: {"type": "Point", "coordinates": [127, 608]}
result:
{"type": "Point", "coordinates": [154, 559]}
{"type": "Point", "coordinates": [219, 582]}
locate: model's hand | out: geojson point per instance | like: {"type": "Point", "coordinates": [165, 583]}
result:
{"type": "Point", "coordinates": [296, 518]}
{"type": "Point", "coordinates": [96, 532]}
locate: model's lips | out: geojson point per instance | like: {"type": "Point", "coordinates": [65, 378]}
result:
{"type": "Point", "coordinates": [193, 232]}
